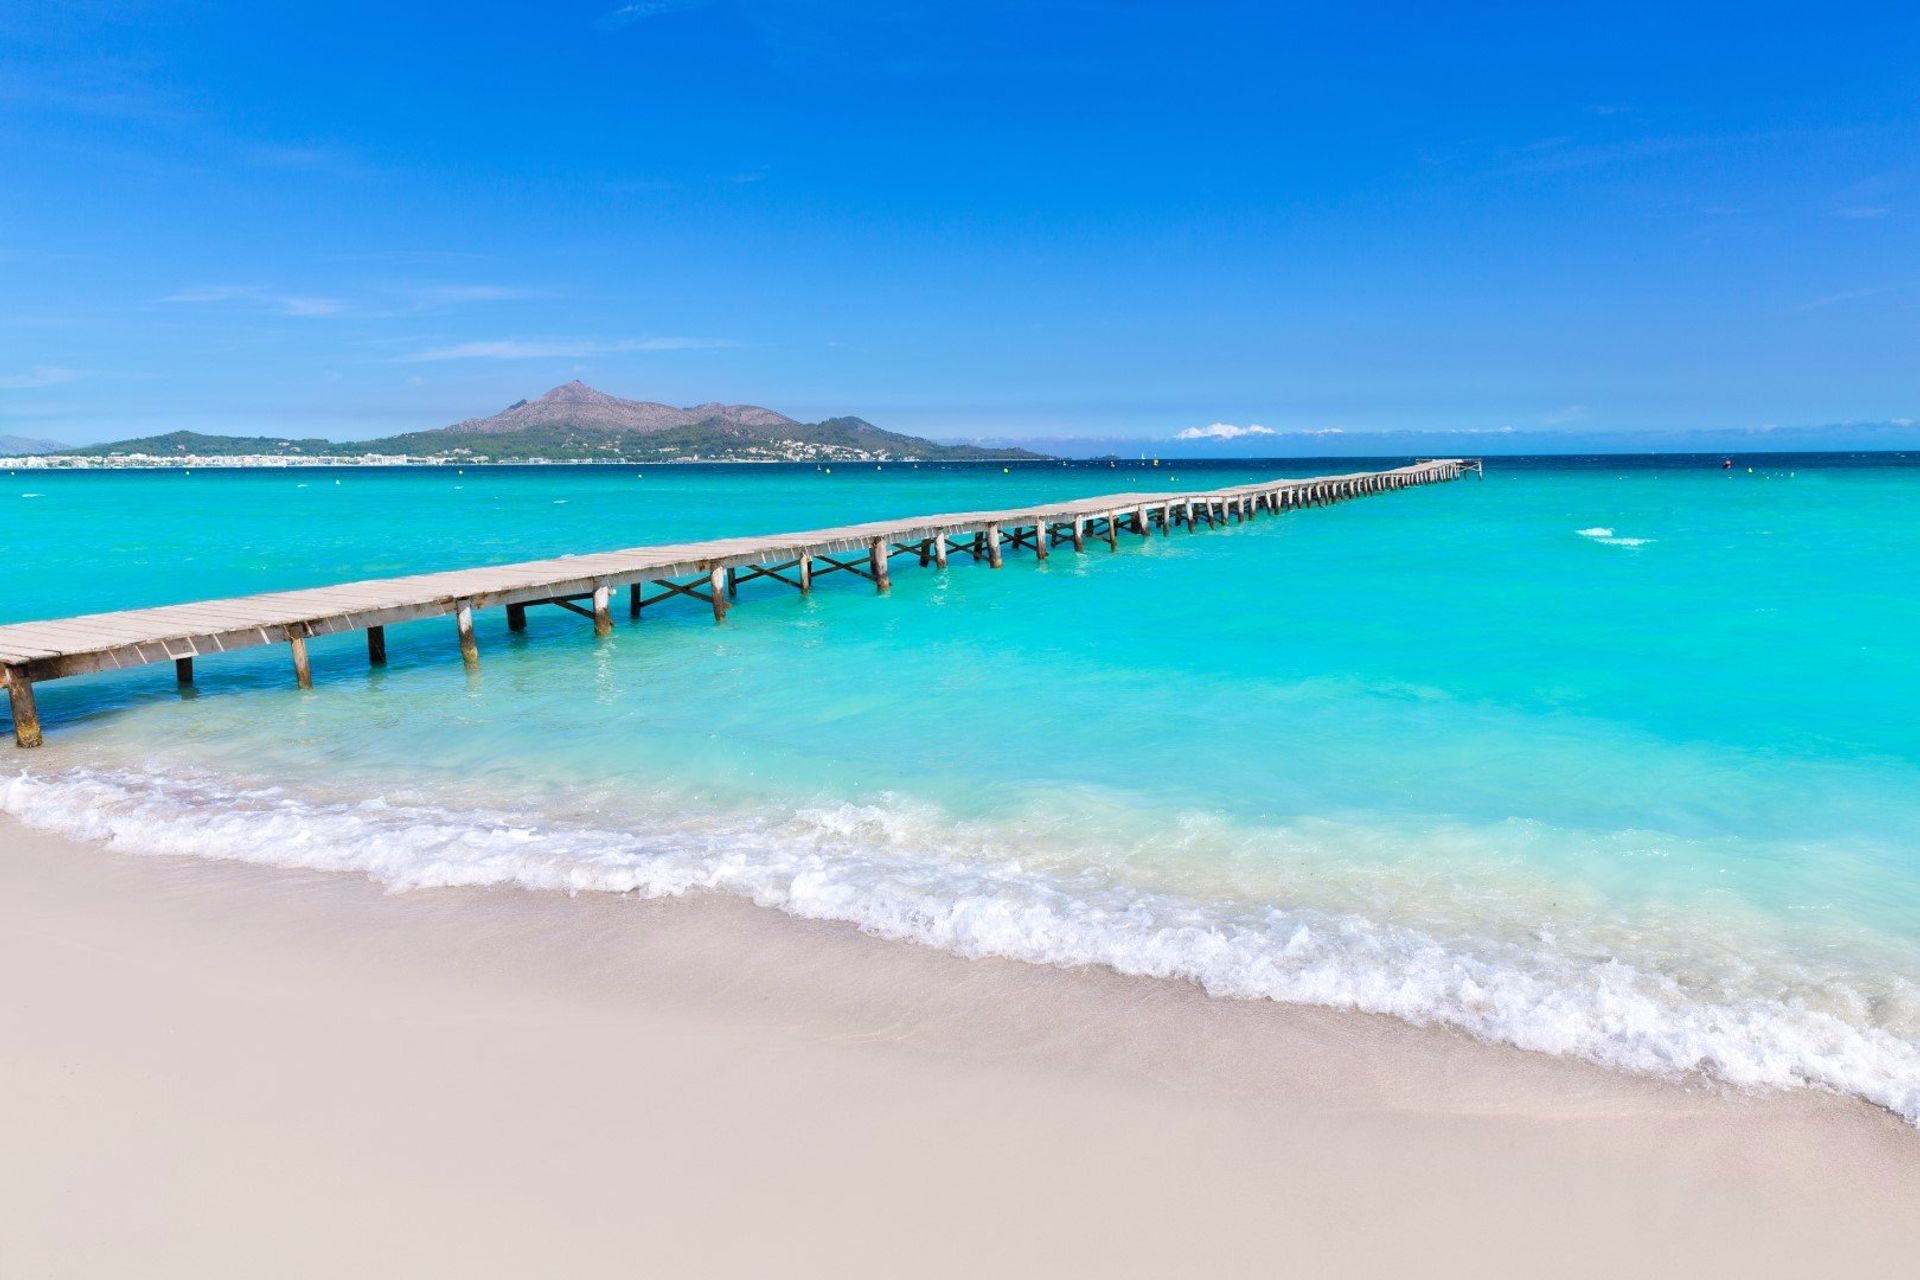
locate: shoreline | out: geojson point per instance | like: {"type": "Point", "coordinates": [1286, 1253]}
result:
{"type": "Point", "coordinates": [217, 1068]}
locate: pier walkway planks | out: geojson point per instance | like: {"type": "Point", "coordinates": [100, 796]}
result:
{"type": "Point", "coordinates": [709, 571]}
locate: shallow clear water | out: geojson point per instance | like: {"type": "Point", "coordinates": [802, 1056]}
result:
{"type": "Point", "coordinates": [1614, 758]}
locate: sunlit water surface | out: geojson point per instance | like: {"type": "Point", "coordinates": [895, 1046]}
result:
{"type": "Point", "coordinates": [1608, 757]}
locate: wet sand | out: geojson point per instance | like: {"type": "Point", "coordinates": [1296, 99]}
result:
{"type": "Point", "coordinates": [219, 1070]}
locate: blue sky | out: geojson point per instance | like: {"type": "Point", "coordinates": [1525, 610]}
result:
{"type": "Point", "coordinates": [1089, 222]}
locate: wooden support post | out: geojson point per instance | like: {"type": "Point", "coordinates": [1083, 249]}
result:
{"type": "Point", "coordinates": [940, 551]}
{"type": "Point", "coordinates": [633, 600]}
{"type": "Point", "coordinates": [463, 623]}
{"type": "Point", "coordinates": [377, 646]}
{"type": "Point", "coordinates": [1042, 539]}
{"type": "Point", "coordinates": [1140, 525]}
{"type": "Point", "coordinates": [1080, 534]}
{"type": "Point", "coordinates": [603, 610]}
{"type": "Point", "coordinates": [1186, 515]}
{"type": "Point", "coordinates": [717, 586]}
{"type": "Point", "coordinates": [979, 545]}
{"type": "Point", "coordinates": [806, 573]}
{"type": "Point", "coordinates": [877, 562]}
{"type": "Point", "coordinates": [26, 716]}
{"type": "Point", "coordinates": [1113, 530]}
{"type": "Point", "coordinates": [926, 551]}
{"type": "Point", "coordinates": [302, 668]}
{"type": "Point", "coordinates": [992, 536]}
{"type": "Point", "coordinates": [733, 583]}
{"type": "Point", "coordinates": [183, 672]}
{"type": "Point", "coordinates": [516, 617]}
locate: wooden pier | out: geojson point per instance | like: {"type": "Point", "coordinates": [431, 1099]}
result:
{"type": "Point", "coordinates": [711, 572]}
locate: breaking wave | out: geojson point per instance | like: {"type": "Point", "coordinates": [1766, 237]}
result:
{"type": "Point", "coordinates": [908, 872]}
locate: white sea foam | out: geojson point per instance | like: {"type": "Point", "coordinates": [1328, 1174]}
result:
{"type": "Point", "coordinates": [1602, 534]}
{"type": "Point", "coordinates": [902, 873]}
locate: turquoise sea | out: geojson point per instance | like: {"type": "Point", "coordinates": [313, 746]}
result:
{"type": "Point", "coordinates": [1612, 757]}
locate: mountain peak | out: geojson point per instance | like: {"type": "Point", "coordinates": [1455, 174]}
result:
{"type": "Point", "coordinates": [578, 407]}
{"type": "Point", "coordinates": [573, 391]}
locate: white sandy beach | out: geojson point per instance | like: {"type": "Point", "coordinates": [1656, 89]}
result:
{"type": "Point", "coordinates": [216, 1070]}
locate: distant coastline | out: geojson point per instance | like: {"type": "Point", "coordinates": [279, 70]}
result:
{"type": "Point", "coordinates": [572, 423]}
{"type": "Point", "coordinates": [242, 462]}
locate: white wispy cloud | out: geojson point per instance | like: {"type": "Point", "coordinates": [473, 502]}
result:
{"type": "Point", "coordinates": [1225, 431]}
{"type": "Point", "coordinates": [530, 349]}
{"type": "Point", "coordinates": [293, 305]}
{"type": "Point", "coordinates": [44, 375]}
{"type": "Point", "coordinates": [627, 14]}
{"type": "Point", "coordinates": [447, 295]}
{"type": "Point", "coordinates": [321, 158]}
{"type": "Point", "coordinates": [376, 300]}
{"type": "Point", "coordinates": [258, 298]}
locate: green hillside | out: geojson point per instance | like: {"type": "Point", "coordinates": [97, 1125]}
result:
{"type": "Point", "coordinates": [177, 444]}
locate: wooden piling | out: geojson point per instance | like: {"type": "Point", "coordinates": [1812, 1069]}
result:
{"type": "Point", "coordinates": [603, 610]}
{"type": "Point", "coordinates": [1080, 534]}
{"type": "Point", "coordinates": [1042, 539]}
{"type": "Point", "coordinates": [733, 584]}
{"type": "Point", "coordinates": [926, 551]}
{"type": "Point", "coordinates": [992, 536]}
{"type": "Point", "coordinates": [717, 585]}
{"type": "Point", "coordinates": [377, 646]}
{"type": "Point", "coordinates": [463, 624]}
{"type": "Point", "coordinates": [877, 562]}
{"type": "Point", "coordinates": [633, 601]}
{"type": "Point", "coordinates": [26, 716]}
{"type": "Point", "coordinates": [1140, 525]}
{"type": "Point", "coordinates": [1113, 530]}
{"type": "Point", "coordinates": [516, 617]}
{"type": "Point", "coordinates": [302, 668]}
{"type": "Point", "coordinates": [806, 573]}
{"type": "Point", "coordinates": [940, 551]}
{"type": "Point", "coordinates": [183, 672]}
